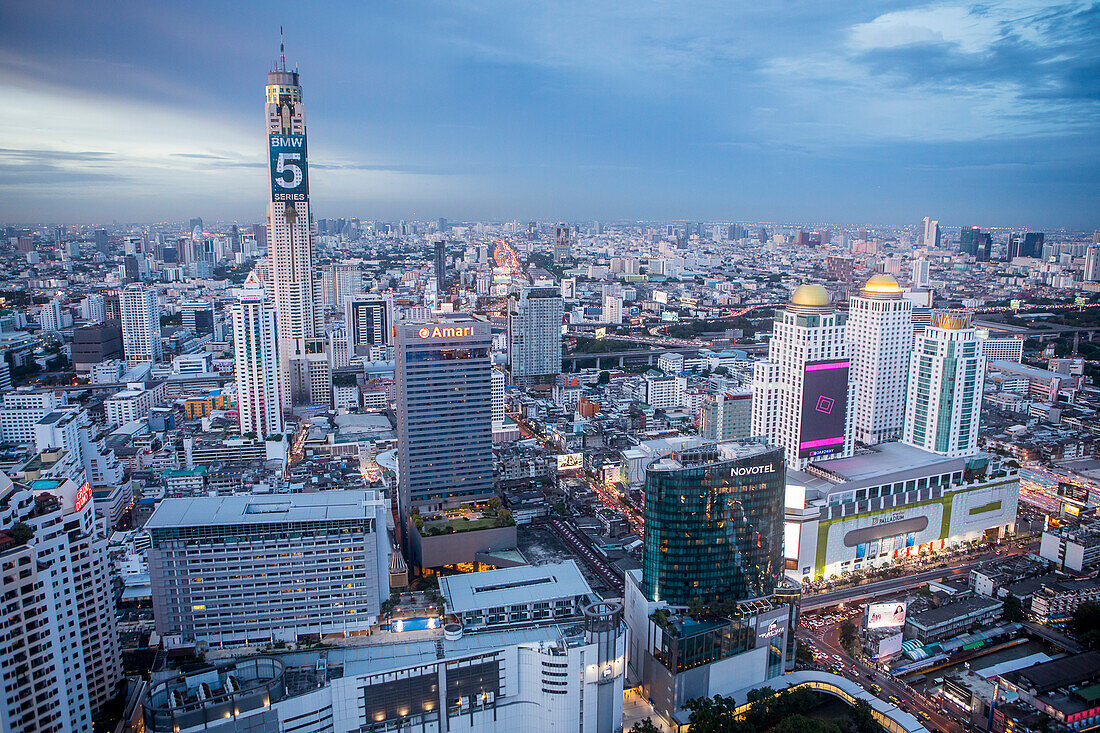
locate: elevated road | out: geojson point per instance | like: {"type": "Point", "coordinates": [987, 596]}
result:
{"type": "Point", "coordinates": [869, 591]}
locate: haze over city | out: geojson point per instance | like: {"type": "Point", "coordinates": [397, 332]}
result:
{"type": "Point", "coordinates": [852, 113]}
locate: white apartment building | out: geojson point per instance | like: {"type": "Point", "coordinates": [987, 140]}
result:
{"type": "Point", "coordinates": [60, 661]}
{"type": "Point", "coordinates": [498, 397]}
{"type": "Point", "coordinates": [198, 363]}
{"type": "Point", "coordinates": [534, 334]}
{"type": "Point", "coordinates": [260, 387]}
{"type": "Point", "coordinates": [1001, 348]}
{"type": "Point", "coordinates": [345, 396]}
{"type": "Point", "coordinates": [338, 348]}
{"type": "Point", "coordinates": [246, 569]}
{"type": "Point", "coordinates": [132, 403]}
{"type": "Point", "coordinates": [880, 340]}
{"type": "Point", "coordinates": [311, 379]}
{"type": "Point", "coordinates": [801, 393]}
{"type": "Point", "coordinates": [612, 309]}
{"type": "Point", "coordinates": [726, 416]}
{"type": "Point", "coordinates": [921, 274]}
{"type": "Point", "coordinates": [70, 428]}
{"type": "Point", "coordinates": [140, 323]}
{"type": "Point", "coordinates": [663, 392]}
{"type": "Point", "coordinates": [22, 410]}
{"type": "Point", "coordinates": [106, 372]}
{"type": "Point", "coordinates": [946, 379]}
{"type": "Point", "coordinates": [671, 363]}
{"type": "Point", "coordinates": [93, 308]}
{"type": "Point", "coordinates": [49, 318]}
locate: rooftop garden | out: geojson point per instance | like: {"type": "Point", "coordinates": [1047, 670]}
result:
{"type": "Point", "coordinates": [489, 515]}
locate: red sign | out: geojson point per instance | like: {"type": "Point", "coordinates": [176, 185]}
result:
{"type": "Point", "coordinates": [83, 496]}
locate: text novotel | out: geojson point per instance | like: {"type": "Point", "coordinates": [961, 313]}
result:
{"type": "Point", "coordinates": [753, 470]}
{"type": "Point", "coordinates": [445, 332]}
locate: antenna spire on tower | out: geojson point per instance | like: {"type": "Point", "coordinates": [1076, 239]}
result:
{"type": "Point", "coordinates": [282, 55]}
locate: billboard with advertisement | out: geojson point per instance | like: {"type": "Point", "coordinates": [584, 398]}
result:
{"type": "Point", "coordinates": [885, 615]}
{"type": "Point", "coordinates": [289, 175]}
{"type": "Point", "coordinates": [570, 461]}
{"type": "Point", "coordinates": [824, 408]}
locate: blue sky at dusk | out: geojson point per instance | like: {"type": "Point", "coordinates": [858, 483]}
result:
{"type": "Point", "coordinates": [846, 112]}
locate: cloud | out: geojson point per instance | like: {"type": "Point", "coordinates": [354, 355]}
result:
{"type": "Point", "coordinates": [492, 107]}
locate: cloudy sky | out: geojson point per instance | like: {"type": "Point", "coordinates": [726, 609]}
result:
{"type": "Point", "coordinates": [846, 112]}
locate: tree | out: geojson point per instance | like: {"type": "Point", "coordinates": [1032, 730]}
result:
{"type": "Point", "coordinates": [20, 533]}
{"type": "Point", "coordinates": [802, 724]}
{"type": "Point", "coordinates": [1086, 624]}
{"type": "Point", "coordinates": [863, 718]}
{"type": "Point", "coordinates": [715, 715]}
{"type": "Point", "coordinates": [1014, 610]}
{"type": "Point", "coordinates": [802, 654]}
{"type": "Point", "coordinates": [848, 636]}
{"type": "Point", "coordinates": [604, 377]}
{"type": "Point", "coordinates": [644, 726]}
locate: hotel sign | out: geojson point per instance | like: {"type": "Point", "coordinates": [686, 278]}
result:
{"type": "Point", "coordinates": [433, 332]}
{"type": "Point", "coordinates": [740, 471]}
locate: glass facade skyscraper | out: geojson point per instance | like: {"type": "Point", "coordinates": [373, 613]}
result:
{"type": "Point", "coordinates": [714, 524]}
{"type": "Point", "coordinates": [444, 414]}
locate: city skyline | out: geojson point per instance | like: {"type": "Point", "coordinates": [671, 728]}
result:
{"type": "Point", "coordinates": [976, 114]}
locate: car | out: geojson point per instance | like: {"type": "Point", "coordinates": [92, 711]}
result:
{"type": "Point", "coordinates": [894, 699]}
{"type": "Point", "coordinates": [924, 716]}
{"type": "Point", "coordinates": [875, 689]}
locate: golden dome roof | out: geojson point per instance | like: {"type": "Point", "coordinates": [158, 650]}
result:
{"type": "Point", "coordinates": [811, 295]}
{"type": "Point", "coordinates": [881, 284]}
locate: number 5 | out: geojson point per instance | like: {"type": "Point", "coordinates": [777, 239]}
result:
{"type": "Point", "coordinates": [282, 167]}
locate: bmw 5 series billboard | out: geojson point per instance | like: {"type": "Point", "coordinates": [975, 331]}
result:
{"type": "Point", "coordinates": [824, 408]}
{"type": "Point", "coordinates": [289, 176]}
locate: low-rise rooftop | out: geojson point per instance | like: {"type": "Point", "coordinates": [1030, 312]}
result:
{"type": "Point", "coordinates": [507, 586]}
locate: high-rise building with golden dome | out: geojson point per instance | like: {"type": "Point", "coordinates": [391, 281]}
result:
{"type": "Point", "coordinates": [880, 337]}
{"type": "Point", "coordinates": [801, 393]}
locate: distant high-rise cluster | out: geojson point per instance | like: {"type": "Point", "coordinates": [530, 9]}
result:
{"type": "Point", "coordinates": [929, 235]}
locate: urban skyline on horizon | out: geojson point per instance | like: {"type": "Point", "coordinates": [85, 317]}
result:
{"type": "Point", "coordinates": [566, 470]}
{"type": "Point", "coordinates": [659, 138]}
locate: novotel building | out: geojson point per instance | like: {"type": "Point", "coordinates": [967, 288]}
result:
{"type": "Point", "coordinates": [444, 414]}
{"type": "Point", "coordinates": [710, 613]}
{"type": "Point", "coordinates": [714, 524]}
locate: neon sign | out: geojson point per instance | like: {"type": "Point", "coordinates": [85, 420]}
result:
{"type": "Point", "coordinates": [83, 496]}
{"type": "Point", "coordinates": [445, 332]}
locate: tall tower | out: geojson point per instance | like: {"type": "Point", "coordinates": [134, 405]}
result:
{"type": "Point", "coordinates": [444, 414]}
{"type": "Point", "coordinates": [290, 237]}
{"type": "Point", "coordinates": [140, 308]}
{"type": "Point", "coordinates": [534, 334]}
{"type": "Point", "coordinates": [801, 393]}
{"type": "Point", "coordinates": [439, 257]}
{"type": "Point", "coordinates": [946, 379]}
{"type": "Point", "coordinates": [880, 339]}
{"type": "Point", "coordinates": [256, 361]}
{"type": "Point", "coordinates": [563, 240]}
